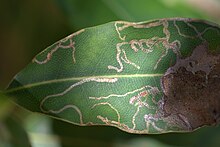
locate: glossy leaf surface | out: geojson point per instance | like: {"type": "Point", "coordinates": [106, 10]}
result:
{"type": "Point", "coordinates": [148, 77]}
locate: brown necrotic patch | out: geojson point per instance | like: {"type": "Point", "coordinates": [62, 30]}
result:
{"type": "Point", "coordinates": [191, 90]}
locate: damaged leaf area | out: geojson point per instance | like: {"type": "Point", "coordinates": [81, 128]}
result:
{"type": "Point", "coordinates": [191, 89]}
{"type": "Point", "coordinates": [146, 78]}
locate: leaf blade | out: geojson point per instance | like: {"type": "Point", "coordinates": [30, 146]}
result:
{"type": "Point", "coordinates": [113, 74]}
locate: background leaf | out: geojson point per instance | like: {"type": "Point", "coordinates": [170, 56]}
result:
{"type": "Point", "coordinates": [102, 11]}
{"type": "Point", "coordinates": [12, 133]}
{"type": "Point", "coordinates": [109, 136]}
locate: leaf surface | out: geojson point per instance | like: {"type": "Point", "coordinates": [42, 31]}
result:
{"type": "Point", "coordinates": [147, 77]}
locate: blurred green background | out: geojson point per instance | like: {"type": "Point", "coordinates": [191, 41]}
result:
{"type": "Point", "coordinates": [27, 27]}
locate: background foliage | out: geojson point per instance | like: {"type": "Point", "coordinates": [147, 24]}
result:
{"type": "Point", "coordinates": [27, 27]}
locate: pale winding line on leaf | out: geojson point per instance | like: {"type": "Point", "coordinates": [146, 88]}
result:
{"type": "Point", "coordinates": [152, 91]}
{"type": "Point", "coordinates": [122, 126]}
{"type": "Point", "coordinates": [107, 80]}
{"type": "Point", "coordinates": [195, 29]}
{"type": "Point", "coordinates": [121, 95]}
{"type": "Point", "coordinates": [106, 103]}
{"type": "Point", "coordinates": [27, 86]}
{"type": "Point", "coordinates": [150, 43]}
{"type": "Point", "coordinates": [198, 34]}
{"type": "Point", "coordinates": [117, 124]}
{"type": "Point", "coordinates": [60, 46]}
{"type": "Point", "coordinates": [143, 92]}
{"type": "Point", "coordinates": [126, 60]}
{"type": "Point", "coordinates": [175, 45]}
{"type": "Point", "coordinates": [134, 117]}
{"type": "Point", "coordinates": [68, 107]}
{"type": "Point", "coordinates": [150, 119]}
{"type": "Point", "coordinates": [99, 80]}
{"type": "Point", "coordinates": [132, 24]}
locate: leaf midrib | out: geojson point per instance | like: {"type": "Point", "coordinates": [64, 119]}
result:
{"type": "Point", "coordinates": [78, 79]}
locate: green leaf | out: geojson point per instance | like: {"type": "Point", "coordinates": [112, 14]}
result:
{"type": "Point", "coordinates": [148, 77]}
